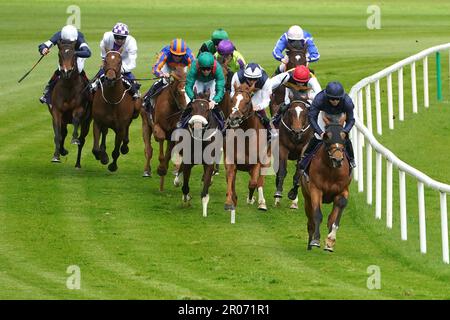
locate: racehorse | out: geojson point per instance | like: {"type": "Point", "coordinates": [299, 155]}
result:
{"type": "Point", "coordinates": [294, 133]}
{"type": "Point", "coordinates": [250, 154]}
{"type": "Point", "coordinates": [328, 181]}
{"type": "Point", "coordinates": [297, 57]}
{"type": "Point", "coordinates": [70, 103]}
{"type": "Point", "coordinates": [168, 106]}
{"type": "Point", "coordinates": [204, 133]}
{"type": "Point", "coordinates": [113, 108]}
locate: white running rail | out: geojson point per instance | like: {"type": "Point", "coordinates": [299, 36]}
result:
{"type": "Point", "coordinates": [362, 136]}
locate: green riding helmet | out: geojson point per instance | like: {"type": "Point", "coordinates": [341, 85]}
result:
{"type": "Point", "coordinates": [219, 34]}
{"type": "Point", "coordinates": [206, 60]}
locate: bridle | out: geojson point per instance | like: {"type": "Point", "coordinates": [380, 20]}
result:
{"type": "Point", "coordinates": [297, 134]}
{"type": "Point", "coordinates": [113, 81]}
{"type": "Point", "coordinates": [242, 117]}
{"type": "Point", "coordinates": [64, 49]}
{"type": "Point", "coordinates": [208, 138]}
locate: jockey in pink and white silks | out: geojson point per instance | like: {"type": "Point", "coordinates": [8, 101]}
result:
{"type": "Point", "coordinates": [67, 33]}
{"type": "Point", "coordinates": [119, 39]}
{"type": "Point", "coordinates": [251, 74]}
{"type": "Point", "coordinates": [297, 37]}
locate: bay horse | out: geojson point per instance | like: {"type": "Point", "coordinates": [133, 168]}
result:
{"type": "Point", "coordinates": [70, 103]}
{"type": "Point", "coordinates": [168, 106]}
{"type": "Point", "coordinates": [294, 133]}
{"type": "Point", "coordinates": [204, 134]}
{"type": "Point", "coordinates": [297, 57]}
{"type": "Point", "coordinates": [114, 108]}
{"type": "Point", "coordinates": [329, 180]}
{"type": "Point", "coordinates": [250, 155]}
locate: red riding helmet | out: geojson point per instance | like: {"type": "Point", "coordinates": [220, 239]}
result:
{"type": "Point", "coordinates": [301, 74]}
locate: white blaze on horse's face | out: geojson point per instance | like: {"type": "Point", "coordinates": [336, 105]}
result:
{"type": "Point", "coordinates": [297, 57]}
{"type": "Point", "coordinates": [239, 98]}
{"type": "Point", "coordinates": [299, 111]}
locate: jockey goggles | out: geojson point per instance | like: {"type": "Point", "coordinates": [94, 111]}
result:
{"type": "Point", "coordinates": [118, 37]}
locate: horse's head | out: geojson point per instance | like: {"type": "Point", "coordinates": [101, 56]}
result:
{"type": "Point", "coordinates": [200, 111]}
{"type": "Point", "coordinates": [112, 66]}
{"type": "Point", "coordinates": [334, 138]}
{"type": "Point", "coordinates": [178, 86]}
{"type": "Point", "coordinates": [67, 57]}
{"type": "Point", "coordinates": [295, 119]}
{"type": "Point", "coordinates": [296, 52]}
{"type": "Point", "coordinates": [241, 104]}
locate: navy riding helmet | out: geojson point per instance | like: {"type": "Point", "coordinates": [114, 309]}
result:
{"type": "Point", "coordinates": [334, 90]}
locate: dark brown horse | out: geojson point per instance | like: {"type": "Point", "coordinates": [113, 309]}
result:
{"type": "Point", "coordinates": [297, 57]}
{"type": "Point", "coordinates": [294, 134]}
{"type": "Point", "coordinates": [113, 108]}
{"type": "Point", "coordinates": [70, 103]}
{"type": "Point", "coordinates": [205, 139]}
{"type": "Point", "coordinates": [245, 148]}
{"type": "Point", "coordinates": [329, 180]}
{"type": "Point", "coordinates": [168, 106]}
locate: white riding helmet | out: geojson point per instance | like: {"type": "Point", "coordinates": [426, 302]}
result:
{"type": "Point", "coordinates": [69, 33]}
{"type": "Point", "coordinates": [253, 71]}
{"type": "Point", "coordinates": [295, 33]}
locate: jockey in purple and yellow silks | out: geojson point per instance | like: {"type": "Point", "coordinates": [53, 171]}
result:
{"type": "Point", "coordinates": [177, 54]}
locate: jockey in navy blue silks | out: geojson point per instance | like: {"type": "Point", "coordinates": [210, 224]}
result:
{"type": "Point", "coordinates": [67, 33]}
{"type": "Point", "coordinates": [332, 100]}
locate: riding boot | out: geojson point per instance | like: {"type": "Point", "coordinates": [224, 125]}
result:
{"type": "Point", "coordinates": [310, 148]}
{"type": "Point", "coordinates": [219, 117]}
{"type": "Point", "coordinates": [49, 87]}
{"type": "Point", "coordinates": [134, 89]}
{"type": "Point", "coordinates": [84, 76]}
{"type": "Point", "coordinates": [351, 155]}
{"type": "Point", "coordinates": [277, 116]}
{"type": "Point", "coordinates": [184, 117]}
{"type": "Point", "coordinates": [266, 123]}
{"type": "Point", "coordinates": [228, 83]}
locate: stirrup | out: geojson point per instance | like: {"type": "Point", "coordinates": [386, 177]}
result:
{"type": "Point", "coordinates": [43, 99]}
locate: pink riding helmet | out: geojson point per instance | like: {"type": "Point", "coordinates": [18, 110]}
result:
{"type": "Point", "coordinates": [225, 47]}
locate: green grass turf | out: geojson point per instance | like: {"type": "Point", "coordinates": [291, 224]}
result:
{"type": "Point", "coordinates": [131, 241]}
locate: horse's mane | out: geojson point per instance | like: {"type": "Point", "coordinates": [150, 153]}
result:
{"type": "Point", "coordinates": [334, 118]}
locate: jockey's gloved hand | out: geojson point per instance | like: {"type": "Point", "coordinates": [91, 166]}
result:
{"type": "Point", "coordinates": [165, 75]}
{"type": "Point", "coordinates": [285, 59]}
{"type": "Point", "coordinates": [45, 51]}
{"type": "Point", "coordinates": [212, 104]}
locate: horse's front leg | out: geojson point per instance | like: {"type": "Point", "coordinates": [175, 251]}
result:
{"type": "Point", "coordinates": [186, 175]}
{"type": "Point", "coordinates": [339, 204]}
{"type": "Point", "coordinates": [120, 134]}
{"type": "Point", "coordinates": [253, 183]}
{"type": "Point", "coordinates": [62, 150]}
{"type": "Point", "coordinates": [207, 176]}
{"type": "Point", "coordinates": [316, 204]}
{"type": "Point", "coordinates": [261, 201]}
{"type": "Point", "coordinates": [231, 175]}
{"type": "Point", "coordinates": [124, 148]}
{"type": "Point", "coordinates": [85, 124]}
{"type": "Point", "coordinates": [76, 118]}
{"type": "Point", "coordinates": [57, 119]}
{"type": "Point", "coordinates": [281, 174]}
{"type": "Point", "coordinates": [148, 151]}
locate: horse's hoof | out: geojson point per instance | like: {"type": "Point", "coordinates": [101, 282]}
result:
{"type": "Point", "coordinates": [278, 194]}
{"type": "Point", "coordinates": [56, 160]}
{"type": "Point", "coordinates": [328, 248]}
{"type": "Point", "coordinates": [75, 141]}
{"type": "Point", "coordinates": [147, 174]}
{"type": "Point", "coordinates": [315, 243]}
{"type": "Point", "coordinates": [104, 159]}
{"type": "Point", "coordinates": [262, 206]}
{"type": "Point", "coordinates": [162, 172]}
{"type": "Point", "coordinates": [251, 201]}
{"type": "Point", "coordinates": [96, 154]}
{"type": "Point", "coordinates": [112, 167]}
{"type": "Point", "coordinates": [64, 152]}
{"type": "Point", "coordinates": [294, 205]}
{"type": "Point", "coordinates": [292, 194]}
{"type": "Point", "coordinates": [277, 202]}
{"type": "Point", "coordinates": [229, 207]}
{"type": "Point", "coordinates": [124, 149]}
{"type": "Point", "coordinates": [186, 199]}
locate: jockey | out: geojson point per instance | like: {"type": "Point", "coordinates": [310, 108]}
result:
{"type": "Point", "coordinates": [301, 80]}
{"type": "Point", "coordinates": [211, 45]}
{"type": "Point", "coordinates": [119, 39]}
{"type": "Point", "coordinates": [174, 55]}
{"type": "Point", "coordinates": [67, 33]}
{"type": "Point", "coordinates": [205, 74]}
{"type": "Point", "coordinates": [332, 100]}
{"type": "Point", "coordinates": [295, 36]}
{"type": "Point", "coordinates": [253, 73]}
{"type": "Point", "coordinates": [228, 55]}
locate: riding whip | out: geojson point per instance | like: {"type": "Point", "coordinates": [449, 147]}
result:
{"type": "Point", "coordinates": [26, 74]}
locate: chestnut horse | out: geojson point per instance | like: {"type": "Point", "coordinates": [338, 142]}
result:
{"type": "Point", "coordinates": [329, 180]}
{"type": "Point", "coordinates": [294, 133]}
{"type": "Point", "coordinates": [297, 57]}
{"type": "Point", "coordinates": [168, 106]}
{"type": "Point", "coordinates": [204, 134]}
{"type": "Point", "coordinates": [69, 103]}
{"type": "Point", "coordinates": [113, 108]}
{"type": "Point", "coordinates": [250, 154]}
